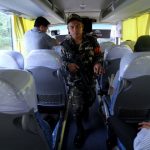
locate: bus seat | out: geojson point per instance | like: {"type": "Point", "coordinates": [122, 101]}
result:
{"type": "Point", "coordinates": [50, 84]}
{"type": "Point", "coordinates": [111, 64]}
{"type": "Point", "coordinates": [50, 88]}
{"type": "Point", "coordinates": [7, 62]}
{"type": "Point", "coordinates": [132, 102]}
{"type": "Point", "coordinates": [43, 57]}
{"type": "Point", "coordinates": [20, 129]}
{"type": "Point", "coordinates": [106, 45]}
{"type": "Point", "coordinates": [129, 43]}
{"type": "Point", "coordinates": [11, 59]}
{"type": "Point", "coordinates": [112, 58]}
{"type": "Point", "coordinates": [124, 132]}
{"type": "Point", "coordinates": [18, 58]}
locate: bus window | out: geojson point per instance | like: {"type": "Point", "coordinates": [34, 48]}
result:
{"type": "Point", "coordinates": [5, 32]}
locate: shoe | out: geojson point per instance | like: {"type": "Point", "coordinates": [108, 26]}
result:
{"type": "Point", "coordinates": [79, 139]}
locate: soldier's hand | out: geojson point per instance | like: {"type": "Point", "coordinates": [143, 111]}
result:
{"type": "Point", "coordinates": [98, 69]}
{"type": "Point", "coordinates": [73, 67]}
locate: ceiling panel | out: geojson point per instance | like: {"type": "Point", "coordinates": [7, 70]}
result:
{"type": "Point", "coordinates": [86, 8]}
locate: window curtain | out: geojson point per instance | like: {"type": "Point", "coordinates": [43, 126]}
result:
{"type": "Point", "coordinates": [142, 24]}
{"type": "Point", "coordinates": [129, 31]}
{"type": "Point", "coordinates": [20, 26]}
{"type": "Point", "coordinates": [135, 27]}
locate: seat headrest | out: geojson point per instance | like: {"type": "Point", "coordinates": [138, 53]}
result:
{"type": "Point", "coordinates": [116, 52]}
{"type": "Point", "coordinates": [17, 92]}
{"type": "Point", "coordinates": [134, 65]}
{"type": "Point", "coordinates": [43, 57]}
{"type": "Point", "coordinates": [129, 43]}
{"type": "Point", "coordinates": [18, 58]}
{"type": "Point", "coordinates": [106, 45]}
{"type": "Point", "coordinates": [11, 60]}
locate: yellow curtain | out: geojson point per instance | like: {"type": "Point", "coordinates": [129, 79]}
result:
{"type": "Point", "coordinates": [142, 24]}
{"type": "Point", "coordinates": [20, 26]}
{"type": "Point", "coordinates": [129, 31]}
{"type": "Point", "coordinates": [133, 28]}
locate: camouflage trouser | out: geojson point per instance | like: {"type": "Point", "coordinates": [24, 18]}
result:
{"type": "Point", "coordinates": [81, 100]}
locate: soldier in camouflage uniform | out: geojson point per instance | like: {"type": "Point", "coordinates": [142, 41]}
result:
{"type": "Point", "coordinates": [81, 56]}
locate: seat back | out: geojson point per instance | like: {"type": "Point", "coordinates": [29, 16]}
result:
{"type": "Point", "coordinates": [49, 85]}
{"type": "Point", "coordinates": [129, 43]}
{"type": "Point", "coordinates": [18, 104]}
{"type": "Point", "coordinates": [106, 45]}
{"type": "Point", "coordinates": [11, 60]}
{"type": "Point", "coordinates": [111, 64]}
{"type": "Point", "coordinates": [132, 102]}
{"type": "Point", "coordinates": [43, 57]}
{"type": "Point", "coordinates": [112, 58]}
{"type": "Point", "coordinates": [50, 88]}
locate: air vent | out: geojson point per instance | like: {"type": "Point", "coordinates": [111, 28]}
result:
{"type": "Point", "coordinates": [56, 9]}
{"type": "Point", "coordinates": [117, 3]}
{"type": "Point", "coordinates": [108, 10]}
{"type": "Point", "coordinates": [111, 7]}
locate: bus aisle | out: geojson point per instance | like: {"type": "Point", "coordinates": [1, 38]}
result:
{"type": "Point", "coordinates": [95, 132]}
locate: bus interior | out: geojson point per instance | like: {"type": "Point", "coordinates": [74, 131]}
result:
{"type": "Point", "coordinates": [33, 83]}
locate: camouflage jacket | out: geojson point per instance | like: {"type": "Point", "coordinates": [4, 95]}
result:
{"type": "Point", "coordinates": [84, 55]}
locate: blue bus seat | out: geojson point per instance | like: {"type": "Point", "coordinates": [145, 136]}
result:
{"type": "Point", "coordinates": [132, 102]}
{"type": "Point", "coordinates": [111, 65]}
{"type": "Point", "coordinates": [43, 57]}
{"type": "Point", "coordinates": [112, 58]}
{"type": "Point", "coordinates": [11, 60]}
{"type": "Point", "coordinates": [106, 45]}
{"type": "Point", "coordinates": [50, 85]}
{"type": "Point", "coordinates": [20, 127]}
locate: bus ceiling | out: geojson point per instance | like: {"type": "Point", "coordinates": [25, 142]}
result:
{"type": "Point", "coordinates": [56, 11]}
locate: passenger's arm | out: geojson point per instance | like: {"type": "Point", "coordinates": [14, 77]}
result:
{"type": "Point", "coordinates": [50, 42]}
{"type": "Point", "coordinates": [144, 125]}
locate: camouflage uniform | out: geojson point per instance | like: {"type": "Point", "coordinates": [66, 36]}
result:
{"type": "Point", "coordinates": [81, 83]}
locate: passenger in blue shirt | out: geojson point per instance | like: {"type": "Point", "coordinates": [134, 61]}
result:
{"type": "Point", "coordinates": [37, 38]}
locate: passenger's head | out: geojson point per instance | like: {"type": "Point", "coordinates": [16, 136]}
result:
{"type": "Point", "coordinates": [42, 24]}
{"type": "Point", "coordinates": [75, 26]}
{"type": "Point", "coordinates": [142, 44]}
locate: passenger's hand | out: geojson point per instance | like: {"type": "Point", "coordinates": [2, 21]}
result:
{"type": "Point", "coordinates": [144, 125]}
{"type": "Point", "coordinates": [73, 67]}
{"type": "Point", "coordinates": [98, 69]}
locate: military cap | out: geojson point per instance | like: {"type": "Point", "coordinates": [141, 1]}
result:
{"type": "Point", "coordinates": [73, 17]}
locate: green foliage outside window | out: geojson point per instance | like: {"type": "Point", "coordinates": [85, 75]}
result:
{"type": "Point", "coordinates": [5, 32]}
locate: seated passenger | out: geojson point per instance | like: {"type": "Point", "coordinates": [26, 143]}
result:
{"type": "Point", "coordinates": [142, 44]}
{"type": "Point", "coordinates": [37, 38]}
{"type": "Point", "coordinates": [142, 140]}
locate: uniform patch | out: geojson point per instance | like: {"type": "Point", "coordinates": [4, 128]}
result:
{"type": "Point", "coordinates": [97, 50]}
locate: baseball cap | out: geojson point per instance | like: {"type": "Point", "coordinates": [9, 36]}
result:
{"type": "Point", "coordinates": [74, 17]}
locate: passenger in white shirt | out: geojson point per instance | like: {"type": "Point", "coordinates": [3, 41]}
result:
{"type": "Point", "coordinates": [37, 38]}
{"type": "Point", "coordinates": [142, 140]}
